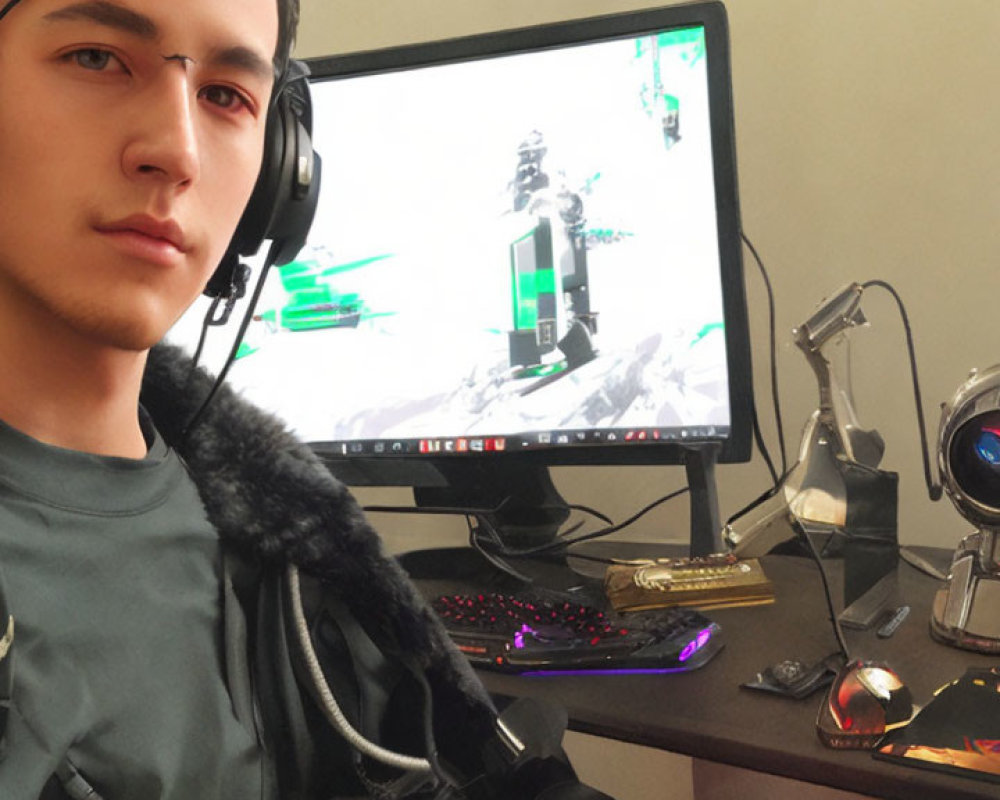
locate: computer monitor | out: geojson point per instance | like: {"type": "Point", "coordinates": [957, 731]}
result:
{"type": "Point", "coordinates": [526, 253]}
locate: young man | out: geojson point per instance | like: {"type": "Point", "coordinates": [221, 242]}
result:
{"type": "Point", "coordinates": [158, 638]}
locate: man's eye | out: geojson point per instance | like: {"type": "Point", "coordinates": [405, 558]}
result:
{"type": "Point", "coordinates": [93, 58]}
{"type": "Point", "coordinates": [225, 97]}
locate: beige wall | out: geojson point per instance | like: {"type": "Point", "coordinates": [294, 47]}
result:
{"type": "Point", "coordinates": [867, 144]}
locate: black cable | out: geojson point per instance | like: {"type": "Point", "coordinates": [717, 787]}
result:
{"type": "Point", "coordinates": [593, 512]}
{"type": "Point", "coordinates": [485, 528]}
{"type": "Point", "coordinates": [480, 515]}
{"type": "Point", "coordinates": [561, 544]}
{"type": "Point", "coordinates": [767, 494]}
{"type": "Point", "coordinates": [828, 595]}
{"type": "Point", "coordinates": [497, 562]}
{"type": "Point", "coordinates": [237, 341]}
{"type": "Point", "coordinates": [427, 718]}
{"type": "Point", "coordinates": [773, 349]}
{"type": "Point", "coordinates": [933, 488]}
{"type": "Point", "coordinates": [776, 478]}
{"type": "Point", "coordinates": [759, 439]}
{"type": "Point", "coordinates": [206, 323]}
{"type": "Point", "coordinates": [498, 550]}
{"type": "Point", "coordinates": [459, 511]}
{"type": "Point", "coordinates": [574, 528]}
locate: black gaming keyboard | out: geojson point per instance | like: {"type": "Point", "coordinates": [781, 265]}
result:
{"type": "Point", "coordinates": [520, 633]}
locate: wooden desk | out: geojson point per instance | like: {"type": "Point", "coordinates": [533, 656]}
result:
{"type": "Point", "coordinates": [705, 714]}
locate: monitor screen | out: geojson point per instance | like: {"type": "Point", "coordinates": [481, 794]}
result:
{"type": "Point", "coordinates": [525, 242]}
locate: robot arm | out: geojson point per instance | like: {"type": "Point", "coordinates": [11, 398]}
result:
{"type": "Point", "coordinates": [836, 413]}
{"type": "Point", "coordinates": [813, 494]}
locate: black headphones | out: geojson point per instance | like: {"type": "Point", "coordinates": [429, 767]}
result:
{"type": "Point", "coordinates": [283, 203]}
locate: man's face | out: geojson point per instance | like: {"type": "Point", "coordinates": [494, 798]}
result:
{"type": "Point", "coordinates": [131, 134]}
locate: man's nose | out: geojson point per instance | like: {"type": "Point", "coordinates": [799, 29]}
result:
{"type": "Point", "coordinates": [163, 145]}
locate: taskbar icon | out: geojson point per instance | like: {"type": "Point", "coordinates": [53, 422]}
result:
{"type": "Point", "coordinates": [461, 445]}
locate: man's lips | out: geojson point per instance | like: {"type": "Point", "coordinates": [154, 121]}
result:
{"type": "Point", "coordinates": [165, 231]}
{"type": "Point", "coordinates": [146, 238]}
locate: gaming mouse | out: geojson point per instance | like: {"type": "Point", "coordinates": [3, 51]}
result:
{"type": "Point", "coordinates": [866, 699]}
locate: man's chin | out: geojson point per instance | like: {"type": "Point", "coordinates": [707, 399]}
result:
{"type": "Point", "coordinates": [128, 333]}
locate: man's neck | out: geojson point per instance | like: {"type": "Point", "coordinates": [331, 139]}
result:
{"type": "Point", "coordinates": [71, 392]}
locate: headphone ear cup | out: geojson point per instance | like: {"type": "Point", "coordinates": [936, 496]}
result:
{"type": "Point", "coordinates": [255, 223]}
{"type": "Point", "coordinates": [283, 202]}
{"type": "Point", "coordinates": [297, 190]}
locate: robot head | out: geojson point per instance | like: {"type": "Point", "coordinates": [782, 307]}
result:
{"type": "Point", "coordinates": [969, 447]}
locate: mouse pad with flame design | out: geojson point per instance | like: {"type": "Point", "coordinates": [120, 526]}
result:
{"type": "Point", "coordinates": [957, 732]}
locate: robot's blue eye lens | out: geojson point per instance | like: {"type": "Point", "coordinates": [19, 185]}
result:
{"type": "Point", "coordinates": [988, 447]}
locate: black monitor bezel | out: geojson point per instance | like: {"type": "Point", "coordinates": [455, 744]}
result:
{"type": "Point", "coordinates": [736, 447]}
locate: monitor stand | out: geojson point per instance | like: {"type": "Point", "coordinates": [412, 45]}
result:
{"type": "Point", "coordinates": [706, 528]}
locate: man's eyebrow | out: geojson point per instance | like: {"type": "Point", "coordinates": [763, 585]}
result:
{"type": "Point", "coordinates": [244, 59]}
{"type": "Point", "coordinates": [108, 14]}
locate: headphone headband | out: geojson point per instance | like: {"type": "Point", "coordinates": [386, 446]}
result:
{"type": "Point", "coordinates": [8, 7]}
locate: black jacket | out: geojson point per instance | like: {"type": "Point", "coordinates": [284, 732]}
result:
{"type": "Point", "coordinates": [331, 624]}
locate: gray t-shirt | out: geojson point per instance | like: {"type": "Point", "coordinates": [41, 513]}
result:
{"type": "Point", "coordinates": [112, 575]}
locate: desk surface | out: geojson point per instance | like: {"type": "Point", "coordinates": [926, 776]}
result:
{"type": "Point", "coordinates": [705, 713]}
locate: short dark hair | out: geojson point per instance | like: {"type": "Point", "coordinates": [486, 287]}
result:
{"type": "Point", "coordinates": [288, 23]}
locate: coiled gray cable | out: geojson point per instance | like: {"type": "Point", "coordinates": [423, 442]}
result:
{"type": "Point", "coordinates": [331, 710]}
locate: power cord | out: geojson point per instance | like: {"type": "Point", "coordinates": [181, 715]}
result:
{"type": "Point", "coordinates": [934, 488]}
{"type": "Point", "coordinates": [776, 478]}
{"type": "Point", "coordinates": [828, 595]}
{"type": "Point", "coordinates": [773, 349]}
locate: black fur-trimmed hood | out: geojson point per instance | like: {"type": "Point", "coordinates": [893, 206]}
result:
{"type": "Point", "coordinates": [271, 499]}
